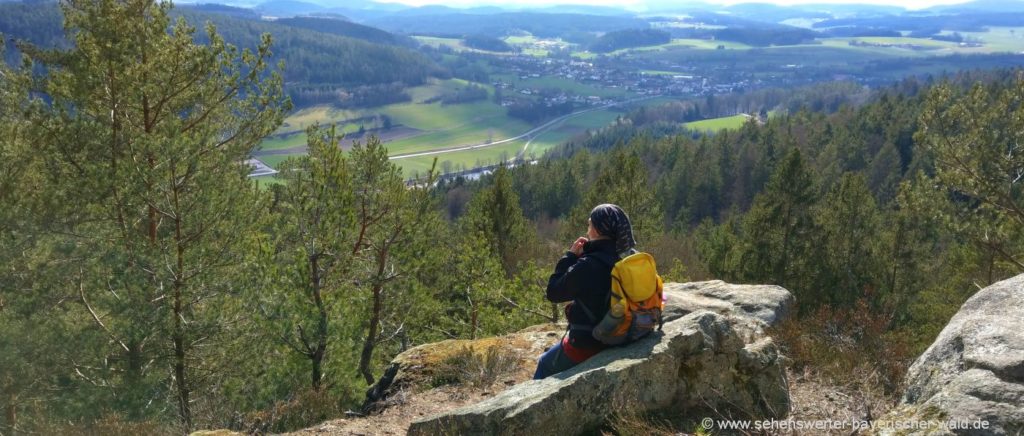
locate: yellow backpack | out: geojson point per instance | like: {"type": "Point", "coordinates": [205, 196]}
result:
{"type": "Point", "coordinates": [636, 301]}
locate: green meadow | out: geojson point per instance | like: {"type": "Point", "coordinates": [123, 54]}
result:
{"type": "Point", "coordinates": [568, 85]}
{"type": "Point", "coordinates": [460, 159]}
{"type": "Point", "coordinates": [1000, 39]}
{"type": "Point", "coordinates": [716, 124]}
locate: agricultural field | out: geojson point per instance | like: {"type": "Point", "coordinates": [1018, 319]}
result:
{"type": "Point", "coordinates": [568, 85]}
{"type": "Point", "coordinates": [999, 39]}
{"type": "Point", "coordinates": [419, 165]}
{"type": "Point", "coordinates": [716, 124]}
{"type": "Point", "coordinates": [452, 43]}
{"type": "Point", "coordinates": [482, 132]}
{"type": "Point", "coordinates": [274, 160]}
{"type": "Point", "coordinates": [539, 47]}
{"type": "Point", "coordinates": [530, 147]}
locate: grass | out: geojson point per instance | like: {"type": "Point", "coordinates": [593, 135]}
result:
{"type": "Point", "coordinates": [475, 368]}
{"type": "Point", "coordinates": [436, 88]}
{"type": "Point", "coordinates": [436, 42]}
{"type": "Point", "coordinates": [533, 46]}
{"type": "Point", "coordinates": [495, 128]}
{"type": "Point", "coordinates": [437, 117]}
{"type": "Point", "coordinates": [279, 143]}
{"type": "Point", "coordinates": [274, 160]}
{"type": "Point", "coordinates": [568, 129]}
{"type": "Point", "coordinates": [684, 43]}
{"type": "Point", "coordinates": [266, 181]}
{"type": "Point", "coordinates": [1000, 39]}
{"type": "Point", "coordinates": [466, 159]}
{"type": "Point", "coordinates": [520, 40]}
{"type": "Point", "coordinates": [555, 135]}
{"type": "Point", "coordinates": [324, 114]}
{"type": "Point", "coordinates": [716, 124]}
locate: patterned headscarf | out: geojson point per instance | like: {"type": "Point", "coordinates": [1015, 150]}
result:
{"type": "Point", "coordinates": [611, 221]}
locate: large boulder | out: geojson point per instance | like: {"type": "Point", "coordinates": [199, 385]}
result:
{"type": "Point", "coordinates": [973, 374]}
{"type": "Point", "coordinates": [753, 306]}
{"type": "Point", "coordinates": [712, 355]}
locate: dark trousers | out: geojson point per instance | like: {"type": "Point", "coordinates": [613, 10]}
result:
{"type": "Point", "coordinates": [552, 362]}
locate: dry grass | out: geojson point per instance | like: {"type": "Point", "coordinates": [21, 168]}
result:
{"type": "Point", "coordinates": [306, 408]}
{"type": "Point", "coordinates": [817, 397]}
{"type": "Point", "coordinates": [849, 347]}
{"type": "Point", "coordinates": [475, 367]}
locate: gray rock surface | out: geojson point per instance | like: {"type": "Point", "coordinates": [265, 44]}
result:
{"type": "Point", "coordinates": [711, 354]}
{"type": "Point", "coordinates": [974, 371]}
{"type": "Point", "coordinates": [758, 306]}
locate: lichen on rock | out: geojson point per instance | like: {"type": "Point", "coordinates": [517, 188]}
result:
{"type": "Point", "coordinates": [974, 371]}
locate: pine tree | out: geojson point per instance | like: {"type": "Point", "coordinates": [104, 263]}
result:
{"type": "Point", "coordinates": [849, 226]}
{"type": "Point", "coordinates": [146, 139]}
{"type": "Point", "coordinates": [495, 215]}
{"type": "Point", "coordinates": [391, 220]}
{"type": "Point", "coordinates": [315, 234]}
{"type": "Point", "coordinates": [777, 229]}
{"type": "Point", "coordinates": [623, 181]}
{"type": "Point", "coordinates": [976, 139]}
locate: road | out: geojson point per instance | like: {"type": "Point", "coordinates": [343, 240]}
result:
{"type": "Point", "coordinates": [532, 133]}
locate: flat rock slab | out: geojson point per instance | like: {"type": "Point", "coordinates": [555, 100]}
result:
{"type": "Point", "coordinates": [974, 371]}
{"type": "Point", "coordinates": [764, 305]}
{"type": "Point", "coordinates": [698, 361]}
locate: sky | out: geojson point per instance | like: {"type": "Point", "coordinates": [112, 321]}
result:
{"type": "Point", "coordinates": [638, 4]}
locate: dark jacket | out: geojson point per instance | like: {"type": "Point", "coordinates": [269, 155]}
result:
{"type": "Point", "coordinates": [586, 281]}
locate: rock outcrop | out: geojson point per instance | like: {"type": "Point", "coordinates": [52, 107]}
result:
{"type": "Point", "coordinates": [973, 374]}
{"type": "Point", "coordinates": [711, 355]}
{"type": "Point", "coordinates": [753, 307]}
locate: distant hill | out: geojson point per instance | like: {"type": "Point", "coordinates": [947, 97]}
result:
{"type": "Point", "coordinates": [288, 8]}
{"type": "Point", "coordinates": [766, 12]}
{"type": "Point", "coordinates": [628, 38]}
{"type": "Point", "coordinates": [311, 57]}
{"type": "Point", "coordinates": [979, 6]}
{"type": "Point", "coordinates": [498, 25]}
{"type": "Point", "coordinates": [582, 9]}
{"type": "Point", "coordinates": [316, 57]}
{"type": "Point", "coordinates": [966, 22]}
{"type": "Point", "coordinates": [853, 10]}
{"type": "Point", "coordinates": [340, 27]}
{"type": "Point", "coordinates": [215, 8]}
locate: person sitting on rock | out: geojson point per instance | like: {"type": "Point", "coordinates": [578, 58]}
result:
{"type": "Point", "coordinates": [583, 276]}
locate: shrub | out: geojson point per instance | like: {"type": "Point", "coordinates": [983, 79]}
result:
{"type": "Point", "coordinates": [847, 343]}
{"type": "Point", "coordinates": [477, 369]}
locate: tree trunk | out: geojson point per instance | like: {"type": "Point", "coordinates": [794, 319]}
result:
{"type": "Point", "coordinates": [184, 409]}
{"type": "Point", "coordinates": [317, 356]}
{"type": "Point", "coordinates": [371, 337]}
{"type": "Point", "coordinates": [12, 415]}
{"type": "Point", "coordinates": [473, 322]}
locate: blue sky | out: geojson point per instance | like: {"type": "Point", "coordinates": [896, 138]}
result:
{"type": "Point", "coordinates": [638, 4]}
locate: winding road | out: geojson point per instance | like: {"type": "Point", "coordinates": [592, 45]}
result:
{"type": "Point", "coordinates": [532, 133]}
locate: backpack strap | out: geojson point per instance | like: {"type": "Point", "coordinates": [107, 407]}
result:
{"type": "Point", "coordinates": [590, 315]}
{"type": "Point", "coordinates": [605, 259]}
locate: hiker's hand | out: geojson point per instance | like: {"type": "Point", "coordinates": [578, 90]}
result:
{"type": "Point", "coordinates": [577, 247]}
